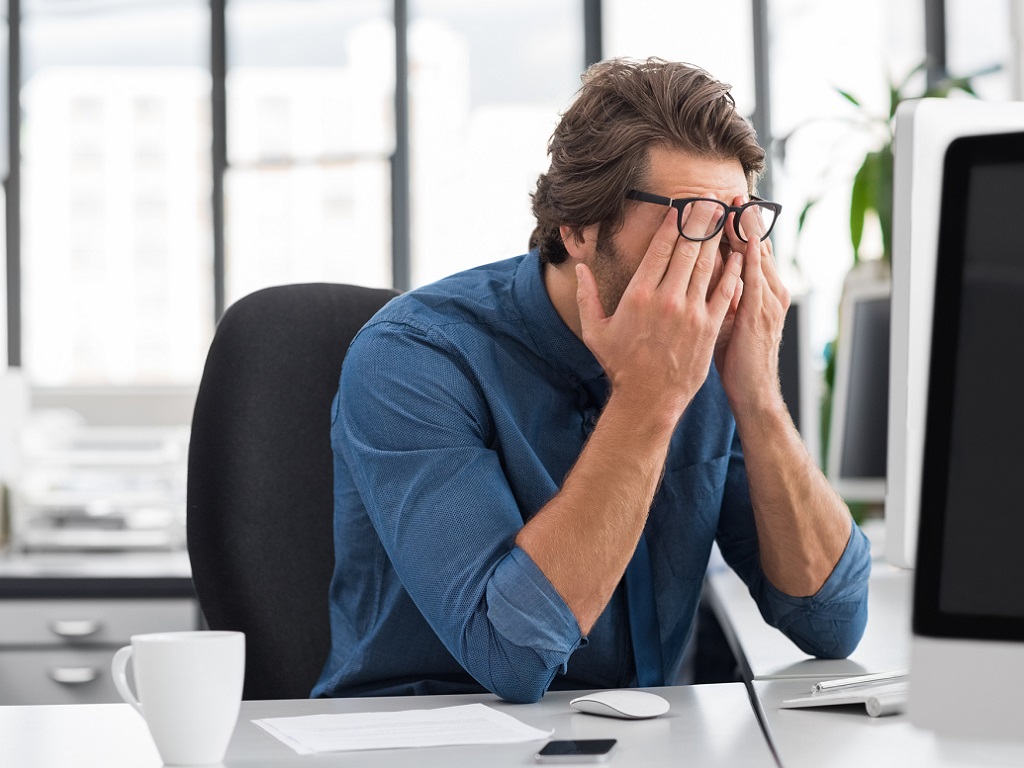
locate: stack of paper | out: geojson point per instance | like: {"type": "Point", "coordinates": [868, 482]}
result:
{"type": "Point", "coordinates": [447, 726]}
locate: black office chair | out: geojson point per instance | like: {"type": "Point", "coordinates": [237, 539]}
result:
{"type": "Point", "coordinates": [260, 476]}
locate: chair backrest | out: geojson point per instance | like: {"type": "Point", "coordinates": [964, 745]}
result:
{"type": "Point", "coordinates": [260, 476]}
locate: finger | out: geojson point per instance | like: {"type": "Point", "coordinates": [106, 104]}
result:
{"type": "Point", "coordinates": [721, 259]}
{"type": "Point", "coordinates": [704, 269]}
{"type": "Point", "coordinates": [728, 288]}
{"type": "Point", "coordinates": [659, 254]}
{"type": "Point", "coordinates": [770, 268]}
{"type": "Point", "coordinates": [753, 277]}
{"type": "Point", "coordinates": [738, 296]}
{"type": "Point", "coordinates": [703, 218]}
{"type": "Point", "coordinates": [587, 299]}
{"type": "Point", "coordinates": [734, 241]}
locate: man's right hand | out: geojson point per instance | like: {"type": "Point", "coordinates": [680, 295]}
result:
{"type": "Point", "coordinates": [657, 346]}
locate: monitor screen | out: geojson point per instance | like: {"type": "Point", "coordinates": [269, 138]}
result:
{"type": "Point", "coordinates": [860, 399]}
{"type": "Point", "coordinates": [790, 365]}
{"type": "Point", "coordinates": [970, 574]}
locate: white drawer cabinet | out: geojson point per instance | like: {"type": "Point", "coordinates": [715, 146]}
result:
{"type": "Point", "coordinates": [58, 651]}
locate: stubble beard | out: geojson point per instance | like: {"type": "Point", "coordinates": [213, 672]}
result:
{"type": "Point", "coordinates": [612, 272]}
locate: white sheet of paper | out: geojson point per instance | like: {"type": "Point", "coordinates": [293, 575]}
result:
{"type": "Point", "coordinates": [447, 726]}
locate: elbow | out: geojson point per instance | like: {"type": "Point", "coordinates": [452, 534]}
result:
{"type": "Point", "coordinates": [518, 695]}
{"type": "Point", "coordinates": [845, 635]}
{"type": "Point", "coordinates": [521, 684]}
{"type": "Point", "coordinates": [850, 633]}
{"type": "Point", "coordinates": [520, 676]}
{"type": "Point", "coordinates": [842, 650]}
{"type": "Point", "coordinates": [517, 689]}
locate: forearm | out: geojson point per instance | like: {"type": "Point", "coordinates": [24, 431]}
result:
{"type": "Point", "coordinates": [584, 537]}
{"type": "Point", "coordinates": [803, 525]}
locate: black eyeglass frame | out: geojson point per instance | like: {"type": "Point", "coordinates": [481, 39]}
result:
{"type": "Point", "coordinates": [680, 204]}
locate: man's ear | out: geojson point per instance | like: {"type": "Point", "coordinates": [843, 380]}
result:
{"type": "Point", "coordinates": [581, 244]}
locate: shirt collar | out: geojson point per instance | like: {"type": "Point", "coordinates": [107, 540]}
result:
{"type": "Point", "coordinates": [553, 339]}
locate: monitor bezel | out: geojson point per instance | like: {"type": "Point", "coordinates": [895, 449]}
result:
{"type": "Point", "coordinates": [929, 618]}
{"type": "Point", "coordinates": [870, 490]}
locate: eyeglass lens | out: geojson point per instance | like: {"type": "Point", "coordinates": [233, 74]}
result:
{"type": "Point", "coordinates": [755, 221]}
{"type": "Point", "coordinates": [701, 219]}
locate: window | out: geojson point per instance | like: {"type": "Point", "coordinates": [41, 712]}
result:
{"type": "Point", "coordinates": [487, 83]}
{"type": "Point", "coordinates": [310, 92]}
{"type": "Point", "coordinates": [714, 36]}
{"type": "Point", "coordinates": [979, 38]}
{"type": "Point", "coordinates": [116, 278]}
{"type": "Point", "coordinates": [116, 257]}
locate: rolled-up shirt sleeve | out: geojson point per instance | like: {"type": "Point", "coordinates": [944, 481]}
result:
{"type": "Point", "coordinates": [828, 624]}
{"type": "Point", "coordinates": [415, 429]}
{"type": "Point", "coordinates": [526, 610]}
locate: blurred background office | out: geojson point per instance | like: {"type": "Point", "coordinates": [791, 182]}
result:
{"type": "Point", "coordinates": [166, 157]}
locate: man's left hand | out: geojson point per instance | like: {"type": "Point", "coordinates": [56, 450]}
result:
{"type": "Point", "coordinates": [747, 350]}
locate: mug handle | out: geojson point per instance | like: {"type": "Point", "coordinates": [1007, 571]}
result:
{"type": "Point", "coordinates": [118, 670]}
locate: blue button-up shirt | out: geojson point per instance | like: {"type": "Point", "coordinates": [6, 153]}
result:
{"type": "Point", "coordinates": [462, 407]}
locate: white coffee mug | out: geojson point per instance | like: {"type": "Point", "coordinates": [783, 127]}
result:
{"type": "Point", "coordinates": [190, 690]}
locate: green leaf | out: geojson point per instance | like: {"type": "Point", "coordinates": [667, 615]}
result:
{"type": "Point", "coordinates": [895, 97]}
{"type": "Point", "coordinates": [884, 198]}
{"type": "Point", "coordinates": [944, 87]}
{"type": "Point", "coordinates": [803, 213]}
{"type": "Point", "coordinates": [848, 96]}
{"type": "Point", "coordinates": [859, 202]}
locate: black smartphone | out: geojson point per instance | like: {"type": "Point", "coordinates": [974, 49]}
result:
{"type": "Point", "coordinates": [579, 751]}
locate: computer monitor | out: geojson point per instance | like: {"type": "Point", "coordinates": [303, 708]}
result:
{"type": "Point", "coordinates": [924, 129]}
{"type": "Point", "coordinates": [860, 397]}
{"type": "Point", "coordinates": [967, 653]}
{"type": "Point", "coordinates": [799, 375]}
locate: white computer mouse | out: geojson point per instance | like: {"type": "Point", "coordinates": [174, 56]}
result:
{"type": "Point", "coordinates": [624, 703]}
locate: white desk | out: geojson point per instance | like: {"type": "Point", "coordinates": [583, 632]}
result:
{"type": "Point", "coordinates": [710, 725]}
{"type": "Point", "coordinates": [764, 653]}
{"type": "Point", "coordinates": [841, 737]}
{"type": "Point", "coordinates": [845, 736]}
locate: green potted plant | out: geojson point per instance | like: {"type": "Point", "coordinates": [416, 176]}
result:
{"type": "Point", "coordinates": [871, 199]}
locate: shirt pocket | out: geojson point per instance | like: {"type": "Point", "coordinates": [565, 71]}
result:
{"type": "Point", "coordinates": [684, 517]}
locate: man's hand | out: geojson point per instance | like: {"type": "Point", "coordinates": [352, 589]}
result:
{"type": "Point", "coordinates": [657, 345]}
{"type": "Point", "coordinates": [747, 349]}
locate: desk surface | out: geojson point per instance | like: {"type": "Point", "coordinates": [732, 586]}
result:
{"type": "Point", "coordinates": [709, 725]}
{"type": "Point", "coordinates": [764, 653]}
{"type": "Point", "coordinates": [845, 736]}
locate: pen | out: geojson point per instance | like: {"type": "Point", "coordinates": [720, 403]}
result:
{"type": "Point", "coordinates": [850, 682]}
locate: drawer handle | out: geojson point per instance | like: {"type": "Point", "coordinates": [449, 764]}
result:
{"type": "Point", "coordinates": [73, 675]}
{"type": "Point", "coordinates": [75, 628]}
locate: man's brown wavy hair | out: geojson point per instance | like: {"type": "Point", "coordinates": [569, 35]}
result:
{"type": "Point", "coordinates": [600, 148]}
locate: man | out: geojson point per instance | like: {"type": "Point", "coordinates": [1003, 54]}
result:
{"type": "Point", "coordinates": [533, 458]}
